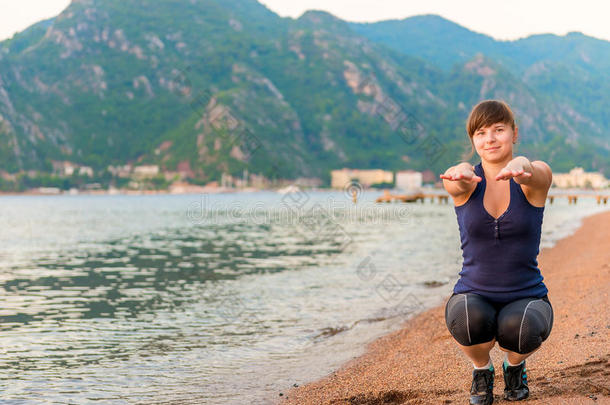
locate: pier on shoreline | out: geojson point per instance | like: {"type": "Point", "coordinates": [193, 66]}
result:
{"type": "Point", "coordinates": [601, 198]}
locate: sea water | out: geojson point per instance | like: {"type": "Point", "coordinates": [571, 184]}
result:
{"type": "Point", "coordinates": [214, 298]}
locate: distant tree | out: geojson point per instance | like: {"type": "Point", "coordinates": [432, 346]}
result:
{"type": "Point", "coordinates": [383, 185]}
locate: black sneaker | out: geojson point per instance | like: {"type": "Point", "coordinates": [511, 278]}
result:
{"type": "Point", "coordinates": [515, 382]}
{"type": "Point", "coordinates": [481, 391]}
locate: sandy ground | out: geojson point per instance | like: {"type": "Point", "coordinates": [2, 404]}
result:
{"type": "Point", "coordinates": [421, 364]}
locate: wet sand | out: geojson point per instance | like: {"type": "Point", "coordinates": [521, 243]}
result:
{"type": "Point", "coordinates": [421, 364]}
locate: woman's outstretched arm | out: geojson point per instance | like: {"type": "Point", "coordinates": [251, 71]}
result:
{"type": "Point", "coordinates": [460, 179]}
{"type": "Point", "coordinates": [536, 175]}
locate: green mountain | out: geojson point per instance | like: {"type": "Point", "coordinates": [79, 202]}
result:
{"type": "Point", "coordinates": [568, 75]}
{"type": "Point", "coordinates": [217, 86]}
{"type": "Point", "coordinates": [444, 43]}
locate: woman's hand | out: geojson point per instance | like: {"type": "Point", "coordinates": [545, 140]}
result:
{"type": "Point", "coordinates": [462, 172]}
{"type": "Point", "coordinates": [520, 167]}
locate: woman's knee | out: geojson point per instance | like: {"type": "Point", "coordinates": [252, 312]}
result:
{"type": "Point", "coordinates": [470, 319]}
{"type": "Point", "coordinates": [524, 324]}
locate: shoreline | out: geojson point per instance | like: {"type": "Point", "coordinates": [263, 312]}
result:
{"type": "Point", "coordinates": [193, 189]}
{"type": "Point", "coordinates": [35, 192]}
{"type": "Point", "coordinates": [572, 366]}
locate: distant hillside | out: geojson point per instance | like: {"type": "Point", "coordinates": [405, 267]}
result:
{"type": "Point", "coordinates": [570, 74]}
{"type": "Point", "coordinates": [220, 86]}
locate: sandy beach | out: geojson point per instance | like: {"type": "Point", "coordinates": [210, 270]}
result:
{"type": "Point", "coordinates": [421, 364]}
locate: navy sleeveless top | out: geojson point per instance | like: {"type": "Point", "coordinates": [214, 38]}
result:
{"type": "Point", "coordinates": [500, 255]}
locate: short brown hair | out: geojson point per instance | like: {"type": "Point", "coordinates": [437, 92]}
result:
{"type": "Point", "coordinates": [486, 113]}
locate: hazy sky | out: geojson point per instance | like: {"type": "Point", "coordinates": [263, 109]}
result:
{"type": "Point", "coordinates": [499, 19]}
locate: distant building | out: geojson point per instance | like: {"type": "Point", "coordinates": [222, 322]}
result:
{"type": "Point", "coordinates": [340, 178]}
{"type": "Point", "coordinates": [428, 176]}
{"type": "Point", "coordinates": [577, 177]}
{"type": "Point", "coordinates": [69, 170]}
{"type": "Point", "coordinates": [120, 171]}
{"type": "Point", "coordinates": [66, 168]}
{"type": "Point", "coordinates": [85, 170]}
{"type": "Point", "coordinates": [409, 180]}
{"type": "Point", "coordinates": [49, 190]}
{"type": "Point", "coordinates": [146, 171]}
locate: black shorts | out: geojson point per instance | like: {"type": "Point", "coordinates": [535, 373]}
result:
{"type": "Point", "coordinates": [519, 326]}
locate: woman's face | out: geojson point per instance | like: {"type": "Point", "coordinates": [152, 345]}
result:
{"type": "Point", "coordinates": [495, 142]}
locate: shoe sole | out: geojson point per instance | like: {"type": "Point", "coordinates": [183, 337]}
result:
{"type": "Point", "coordinates": [483, 403]}
{"type": "Point", "coordinates": [507, 398]}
